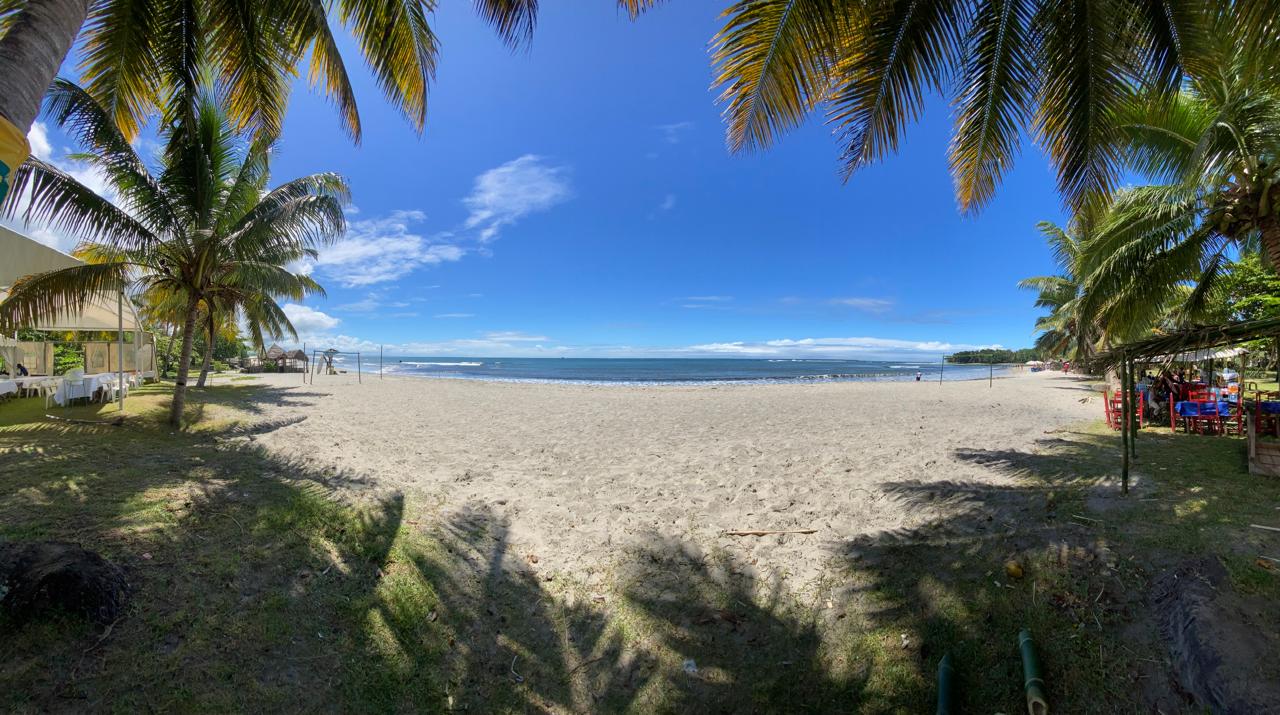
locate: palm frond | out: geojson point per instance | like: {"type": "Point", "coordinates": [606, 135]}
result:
{"type": "Point", "coordinates": [773, 58]}
{"type": "Point", "coordinates": [47, 296]}
{"type": "Point", "coordinates": [514, 20]}
{"type": "Point", "coordinates": [1083, 58]}
{"type": "Point", "coordinates": [44, 194]}
{"type": "Point", "coordinates": [905, 48]}
{"type": "Point", "coordinates": [255, 58]}
{"type": "Point", "coordinates": [181, 50]}
{"type": "Point", "coordinates": [997, 89]}
{"type": "Point", "coordinates": [635, 7]}
{"type": "Point", "coordinates": [310, 22]}
{"type": "Point", "coordinates": [86, 120]}
{"type": "Point", "coordinates": [399, 47]}
{"type": "Point", "coordinates": [1162, 133]}
{"type": "Point", "coordinates": [1175, 32]}
{"type": "Point", "coordinates": [118, 64]}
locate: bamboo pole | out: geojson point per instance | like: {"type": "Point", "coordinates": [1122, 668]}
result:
{"type": "Point", "coordinates": [120, 345]}
{"type": "Point", "coordinates": [943, 367]}
{"type": "Point", "coordinates": [1135, 396]}
{"type": "Point", "coordinates": [1124, 427]}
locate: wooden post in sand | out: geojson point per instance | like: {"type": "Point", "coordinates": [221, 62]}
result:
{"type": "Point", "coordinates": [944, 367]}
{"type": "Point", "coordinates": [305, 367]}
{"type": "Point", "coordinates": [991, 371]}
{"type": "Point", "coordinates": [1124, 427]}
{"type": "Point", "coordinates": [1134, 396]}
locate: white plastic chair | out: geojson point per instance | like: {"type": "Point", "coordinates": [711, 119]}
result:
{"type": "Point", "coordinates": [48, 390]}
{"type": "Point", "coordinates": [76, 386]}
{"type": "Point", "coordinates": [106, 390]}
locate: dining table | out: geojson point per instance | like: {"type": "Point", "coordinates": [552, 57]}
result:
{"type": "Point", "coordinates": [84, 387]}
{"type": "Point", "coordinates": [9, 387]}
{"type": "Point", "coordinates": [1191, 408]}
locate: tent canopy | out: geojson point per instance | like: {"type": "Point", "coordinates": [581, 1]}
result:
{"type": "Point", "coordinates": [1204, 338]}
{"type": "Point", "coordinates": [21, 256]}
{"type": "Point", "coordinates": [1201, 355]}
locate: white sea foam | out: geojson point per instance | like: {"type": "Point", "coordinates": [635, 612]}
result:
{"type": "Point", "coordinates": [445, 364]}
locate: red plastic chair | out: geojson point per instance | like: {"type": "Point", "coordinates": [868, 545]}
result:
{"type": "Point", "coordinates": [1207, 417]}
{"type": "Point", "coordinates": [1267, 423]}
{"type": "Point", "coordinates": [1233, 421]}
{"type": "Point", "coordinates": [1114, 408]}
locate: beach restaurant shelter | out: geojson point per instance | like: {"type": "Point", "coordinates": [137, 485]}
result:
{"type": "Point", "coordinates": [21, 256]}
{"type": "Point", "coordinates": [286, 360]}
{"type": "Point", "coordinates": [1195, 344]}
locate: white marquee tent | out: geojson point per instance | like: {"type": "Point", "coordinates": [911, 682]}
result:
{"type": "Point", "coordinates": [21, 256]}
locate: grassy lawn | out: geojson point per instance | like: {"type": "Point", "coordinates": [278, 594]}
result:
{"type": "Point", "coordinates": [259, 584]}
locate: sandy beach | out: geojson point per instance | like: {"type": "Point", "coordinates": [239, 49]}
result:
{"type": "Point", "coordinates": [585, 473]}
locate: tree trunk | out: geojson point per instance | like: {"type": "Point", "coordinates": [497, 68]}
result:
{"type": "Point", "coordinates": [208, 353]}
{"type": "Point", "coordinates": [31, 53]}
{"type": "Point", "coordinates": [184, 365]}
{"type": "Point", "coordinates": [1270, 228]}
{"type": "Point", "coordinates": [168, 349]}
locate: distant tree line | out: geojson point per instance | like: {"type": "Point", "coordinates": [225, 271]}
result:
{"type": "Point", "coordinates": [990, 355]}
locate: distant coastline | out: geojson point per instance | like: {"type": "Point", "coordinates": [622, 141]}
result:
{"type": "Point", "coordinates": [682, 371]}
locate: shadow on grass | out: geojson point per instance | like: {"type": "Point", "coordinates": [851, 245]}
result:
{"type": "Point", "coordinates": [263, 584]}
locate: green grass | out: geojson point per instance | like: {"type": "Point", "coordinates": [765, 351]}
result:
{"type": "Point", "coordinates": [262, 585]}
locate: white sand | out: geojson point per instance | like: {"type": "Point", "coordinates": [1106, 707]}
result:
{"type": "Point", "coordinates": [584, 473]}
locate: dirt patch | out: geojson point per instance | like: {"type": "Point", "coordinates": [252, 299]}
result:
{"type": "Point", "coordinates": [1222, 645]}
{"type": "Point", "coordinates": [42, 575]}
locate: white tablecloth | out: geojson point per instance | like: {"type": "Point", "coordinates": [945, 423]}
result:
{"type": "Point", "coordinates": [8, 387]}
{"type": "Point", "coordinates": [85, 389]}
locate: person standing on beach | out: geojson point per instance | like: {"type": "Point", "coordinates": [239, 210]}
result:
{"type": "Point", "coordinates": [918, 376]}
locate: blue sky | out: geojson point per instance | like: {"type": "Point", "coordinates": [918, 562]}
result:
{"type": "Point", "coordinates": [576, 198]}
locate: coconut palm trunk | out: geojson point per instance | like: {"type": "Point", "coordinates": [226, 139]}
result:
{"type": "Point", "coordinates": [31, 52]}
{"type": "Point", "coordinates": [184, 365]}
{"type": "Point", "coordinates": [168, 349]}
{"type": "Point", "coordinates": [1269, 226]}
{"type": "Point", "coordinates": [208, 352]}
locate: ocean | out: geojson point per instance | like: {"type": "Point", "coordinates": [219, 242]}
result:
{"type": "Point", "coordinates": [682, 371]}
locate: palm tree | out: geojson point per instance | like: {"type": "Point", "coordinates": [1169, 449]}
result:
{"type": "Point", "coordinates": [141, 55]}
{"type": "Point", "coordinates": [205, 231]}
{"type": "Point", "coordinates": [1067, 332]}
{"type": "Point", "coordinates": [1058, 70]}
{"type": "Point", "coordinates": [1216, 148]}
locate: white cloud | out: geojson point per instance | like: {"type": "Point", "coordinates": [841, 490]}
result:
{"type": "Point", "coordinates": [372, 301]}
{"type": "Point", "coordinates": [706, 302]}
{"type": "Point", "coordinates": [503, 195]}
{"type": "Point", "coordinates": [380, 250]}
{"type": "Point", "coordinates": [866, 305]}
{"type": "Point", "coordinates": [38, 138]}
{"type": "Point", "coordinates": [833, 347]}
{"type": "Point", "coordinates": [668, 203]}
{"type": "Point", "coordinates": [455, 315]}
{"type": "Point", "coordinates": [515, 336]}
{"type": "Point", "coordinates": [52, 239]}
{"type": "Point", "coordinates": [89, 176]}
{"type": "Point", "coordinates": [307, 320]}
{"type": "Point", "coordinates": [673, 133]}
